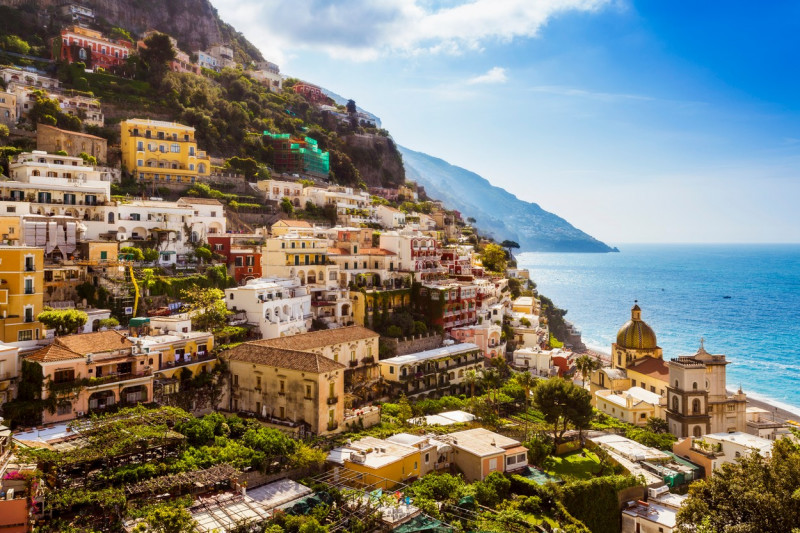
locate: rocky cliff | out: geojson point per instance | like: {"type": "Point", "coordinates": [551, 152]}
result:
{"type": "Point", "coordinates": [194, 23]}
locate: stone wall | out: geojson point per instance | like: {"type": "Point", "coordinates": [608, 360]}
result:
{"type": "Point", "coordinates": [418, 343]}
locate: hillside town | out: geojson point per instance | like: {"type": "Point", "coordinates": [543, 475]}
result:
{"type": "Point", "coordinates": [220, 343]}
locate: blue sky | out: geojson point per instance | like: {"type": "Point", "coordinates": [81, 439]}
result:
{"type": "Point", "coordinates": [637, 121]}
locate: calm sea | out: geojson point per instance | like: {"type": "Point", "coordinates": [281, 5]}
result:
{"type": "Point", "coordinates": [744, 300]}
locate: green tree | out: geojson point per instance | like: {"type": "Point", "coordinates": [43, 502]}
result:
{"type": "Point", "coordinates": [92, 160]}
{"type": "Point", "coordinates": [15, 44]}
{"type": "Point", "coordinates": [755, 494]}
{"type": "Point", "coordinates": [508, 245]}
{"type": "Point", "coordinates": [208, 308]}
{"type": "Point", "coordinates": [64, 322]}
{"type": "Point", "coordinates": [657, 425]}
{"type": "Point", "coordinates": [286, 206]}
{"type": "Point", "coordinates": [134, 253]}
{"type": "Point", "coordinates": [351, 107]}
{"type": "Point", "coordinates": [494, 258]}
{"type": "Point", "coordinates": [527, 382]}
{"type": "Point", "coordinates": [109, 323]}
{"type": "Point", "coordinates": [404, 410]}
{"type": "Point", "coordinates": [166, 518]}
{"type": "Point", "coordinates": [203, 253]}
{"type": "Point", "coordinates": [156, 55]}
{"type": "Point", "coordinates": [585, 365]}
{"type": "Point", "coordinates": [247, 166]}
{"type": "Point", "coordinates": [4, 132]}
{"type": "Point", "coordinates": [562, 402]}
{"type": "Point", "coordinates": [492, 380]}
{"type": "Point", "coordinates": [470, 379]}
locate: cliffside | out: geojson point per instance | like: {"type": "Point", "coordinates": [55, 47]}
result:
{"type": "Point", "coordinates": [194, 23]}
{"type": "Point", "coordinates": [499, 213]}
{"type": "Point", "coordinates": [377, 159]}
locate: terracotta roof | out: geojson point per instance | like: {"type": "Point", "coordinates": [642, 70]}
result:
{"type": "Point", "coordinates": [294, 223]}
{"type": "Point", "coordinates": [376, 251]}
{"type": "Point", "coordinates": [253, 352]}
{"type": "Point", "coordinates": [319, 339]}
{"type": "Point", "coordinates": [72, 133]}
{"type": "Point", "coordinates": [101, 341]}
{"type": "Point", "coordinates": [338, 251]}
{"type": "Point", "coordinates": [53, 352]}
{"type": "Point", "coordinates": [650, 366]}
{"type": "Point", "coordinates": [207, 201]}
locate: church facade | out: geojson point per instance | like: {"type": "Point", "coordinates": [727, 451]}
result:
{"type": "Point", "coordinates": [698, 402]}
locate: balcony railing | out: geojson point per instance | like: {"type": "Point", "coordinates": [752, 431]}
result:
{"type": "Point", "coordinates": [188, 361]}
{"type": "Point", "coordinates": [333, 400]}
{"type": "Point", "coordinates": [354, 363]}
{"type": "Point", "coordinates": [368, 360]}
{"type": "Point", "coordinates": [116, 378]}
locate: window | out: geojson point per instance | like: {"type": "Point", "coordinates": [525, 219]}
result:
{"type": "Point", "coordinates": [283, 386]}
{"type": "Point", "coordinates": [25, 335]}
{"type": "Point", "coordinates": [391, 370]}
{"type": "Point", "coordinates": [140, 146]}
{"type": "Point", "coordinates": [258, 408]}
{"type": "Point", "coordinates": [29, 286]}
{"type": "Point", "coordinates": [30, 266]}
{"type": "Point", "coordinates": [308, 391]}
{"type": "Point", "coordinates": [493, 464]}
{"type": "Point", "coordinates": [258, 382]}
{"type": "Point", "coordinates": [140, 162]}
{"type": "Point", "coordinates": [236, 380]}
{"type": "Point", "coordinates": [64, 409]}
{"type": "Point", "coordinates": [191, 150]}
{"type": "Point", "coordinates": [175, 148]}
{"type": "Point", "coordinates": [283, 412]}
{"type": "Point", "coordinates": [427, 458]}
{"type": "Point", "coordinates": [250, 260]}
{"type": "Point", "coordinates": [239, 261]}
{"type": "Point", "coordinates": [352, 355]}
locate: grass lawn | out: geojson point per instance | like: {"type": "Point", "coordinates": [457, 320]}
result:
{"type": "Point", "coordinates": [573, 464]}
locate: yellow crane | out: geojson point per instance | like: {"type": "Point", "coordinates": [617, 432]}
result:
{"type": "Point", "coordinates": [135, 289]}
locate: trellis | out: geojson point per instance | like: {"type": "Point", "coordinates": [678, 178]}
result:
{"type": "Point", "coordinates": [183, 482]}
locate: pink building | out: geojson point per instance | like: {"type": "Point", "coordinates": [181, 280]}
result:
{"type": "Point", "coordinates": [486, 336]}
{"type": "Point", "coordinates": [93, 371]}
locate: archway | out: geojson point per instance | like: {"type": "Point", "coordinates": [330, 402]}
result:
{"type": "Point", "coordinates": [101, 400]}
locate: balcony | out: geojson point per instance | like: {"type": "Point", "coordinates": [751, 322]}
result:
{"type": "Point", "coordinates": [333, 400]}
{"type": "Point", "coordinates": [116, 378]}
{"type": "Point", "coordinates": [188, 361]}
{"type": "Point", "coordinates": [354, 363]}
{"type": "Point", "coordinates": [368, 360]}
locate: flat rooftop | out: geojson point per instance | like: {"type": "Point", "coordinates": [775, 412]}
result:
{"type": "Point", "coordinates": [630, 449]}
{"type": "Point", "coordinates": [436, 353]}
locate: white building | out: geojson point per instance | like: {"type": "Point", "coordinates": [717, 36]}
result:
{"type": "Point", "coordinates": [209, 217]}
{"type": "Point", "coordinates": [272, 80]}
{"type": "Point", "coordinates": [206, 60]}
{"type": "Point", "coordinates": [353, 207]}
{"type": "Point", "coordinates": [536, 361]}
{"type": "Point", "coordinates": [223, 55]}
{"type": "Point", "coordinates": [28, 77]}
{"type": "Point", "coordinates": [278, 306]}
{"type": "Point", "coordinates": [277, 190]}
{"type": "Point", "coordinates": [657, 515]}
{"type": "Point", "coordinates": [415, 251]}
{"type": "Point", "coordinates": [390, 217]}
{"type": "Point", "coordinates": [634, 405]}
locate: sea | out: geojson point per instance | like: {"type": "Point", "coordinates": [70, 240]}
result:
{"type": "Point", "coordinates": [741, 300]}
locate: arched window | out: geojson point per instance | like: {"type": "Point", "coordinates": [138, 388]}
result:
{"type": "Point", "coordinates": [694, 386]}
{"type": "Point", "coordinates": [674, 403]}
{"type": "Point", "coordinates": [676, 383]}
{"type": "Point", "coordinates": [695, 406]}
{"type": "Point", "coordinates": [697, 431]}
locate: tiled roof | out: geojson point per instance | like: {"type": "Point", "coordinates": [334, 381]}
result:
{"type": "Point", "coordinates": [651, 366]}
{"type": "Point", "coordinates": [51, 353]}
{"type": "Point", "coordinates": [101, 341]}
{"type": "Point", "coordinates": [376, 251]}
{"type": "Point", "coordinates": [252, 352]}
{"type": "Point", "coordinates": [190, 200]}
{"type": "Point", "coordinates": [293, 223]}
{"type": "Point", "coordinates": [319, 339]}
{"type": "Point", "coordinates": [338, 251]}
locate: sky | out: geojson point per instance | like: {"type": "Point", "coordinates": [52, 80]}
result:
{"type": "Point", "coordinates": [637, 121]}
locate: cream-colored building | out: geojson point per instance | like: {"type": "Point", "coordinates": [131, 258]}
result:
{"type": "Point", "coordinates": [300, 227]}
{"type": "Point", "coordinates": [698, 401]}
{"type": "Point", "coordinates": [277, 190]}
{"type": "Point", "coordinates": [355, 347]}
{"type": "Point", "coordinates": [9, 371]}
{"type": "Point", "coordinates": [633, 406]}
{"type": "Point", "coordinates": [291, 388]}
{"type": "Point", "coordinates": [52, 139]}
{"type": "Point", "coordinates": [432, 373]}
{"type": "Point", "coordinates": [8, 108]}
{"type": "Point", "coordinates": [714, 450]}
{"type": "Point", "coordinates": [636, 360]}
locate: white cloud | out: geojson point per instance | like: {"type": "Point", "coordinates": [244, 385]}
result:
{"type": "Point", "coordinates": [494, 75]}
{"type": "Point", "coordinates": [368, 29]}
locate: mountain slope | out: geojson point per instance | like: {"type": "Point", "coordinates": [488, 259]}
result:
{"type": "Point", "coordinates": [499, 213]}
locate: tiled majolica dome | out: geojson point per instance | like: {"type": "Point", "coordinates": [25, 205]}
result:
{"type": "Point", "coordinates": [636, 334]}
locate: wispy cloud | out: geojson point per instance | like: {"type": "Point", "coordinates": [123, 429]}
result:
{"type": "Point", "coordinates": [494, 75]}
{"type": "Point", "coordinates": [584, 93]}
{"type": "Point", "coordinates": [368, 29]}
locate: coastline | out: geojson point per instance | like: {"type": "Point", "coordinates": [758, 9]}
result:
{"type": "Point", "coordinates": [782, 411]}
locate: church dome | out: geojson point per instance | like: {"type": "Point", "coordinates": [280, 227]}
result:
{"type": "Point", "coordinates": [636, 334]}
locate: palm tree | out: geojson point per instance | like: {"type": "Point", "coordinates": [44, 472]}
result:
{"type": "Point", "coordinates": [471, 379]}
{"type": "Point", "coordinates": [527, 382]}
{"type": "Point", "coordinates": [585, 365]}
{"type": "Point", "coordinates": [492, 379]}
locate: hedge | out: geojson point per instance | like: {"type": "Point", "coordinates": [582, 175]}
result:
{"type": "Point", "coordinates": [594, 501]}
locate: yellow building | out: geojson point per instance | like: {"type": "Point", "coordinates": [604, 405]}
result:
{"type": "Point", "coordinates": [295, 255]}
{"type": "Point", "coordinates": [21, 293]}
{"type": "Point", "coordinates": [10, 229]}
{"type": "Point", "coordinates": [381, 462]}
{"type": "Point", "coordinates": [8, 108]}
{"type": "Point", "coordinates": [163, 152]}
{"type": "Point", "coordinates": [636, 360]}
{"type": "Point", "coordinates": [289, 388]}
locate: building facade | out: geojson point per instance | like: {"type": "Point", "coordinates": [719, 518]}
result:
{"type": "Point", "coordinates": [90, 47]}
{"type": "Point", "coordinates": [301, 390]}
{"type": "Point", "coordinates": [51, 139]}
{"type": "Point", "coordinates": [162, 152]}
{"type": "Point", "coordinates": [279, 307]}
{"type": "Point", "coordinates": [21, 295]}
{"type": "Point", "coordinates": [432, 373]}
